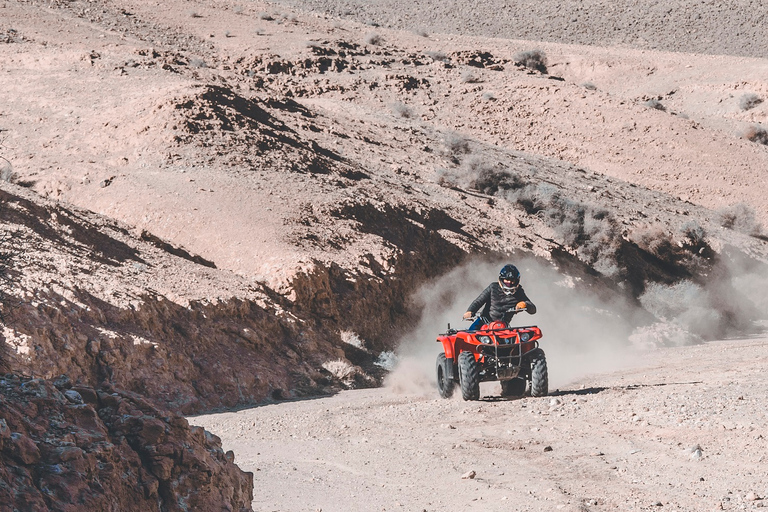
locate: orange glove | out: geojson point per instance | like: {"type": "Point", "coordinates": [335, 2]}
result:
{"type": "Point", "coordinates": [521, 305]}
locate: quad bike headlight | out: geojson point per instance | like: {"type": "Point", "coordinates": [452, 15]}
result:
{"type": "Point", "coordinates": [484, 339]}
{"type": "Point", "coordinates": [525, 336]}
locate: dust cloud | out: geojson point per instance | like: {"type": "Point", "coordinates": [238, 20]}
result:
{"type": "Point", "coordinates": [587, 328]}
{"type": "Point", "coordinates": [582, 334]}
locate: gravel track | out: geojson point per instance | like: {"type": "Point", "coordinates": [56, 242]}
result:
{"type": "Point", "coordinates": [683, 430]}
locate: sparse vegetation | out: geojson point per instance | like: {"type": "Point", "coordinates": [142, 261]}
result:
{"type": "Point", "coordinates": [373, 38]}
{"type": "Point", "coordinates": [436, 55]}
{"type": "Point", "coordinates": [533, 59]}
{"type": "Point", "coordinates": [196, 62]}
{"type": "Point", "coordinates": [401, 110]}
{"type": "Point", "coordinates": [739, 217]}
{"type": "Point", "coordinates": [195, 14]}
{"type": "Point", "coordinates": [6, 170]}
{"type": "Point", "coordinates": [756, 133]}
{"type": "Point", "coordinates": [266, 16]}
{"type": "Point", "coordinates": [421, 32]}
{"type": "Point", "coordinates": [489, 96]}
{"type": "Point", "coordinates": [469, 77]}
{"type": "Point", "coordinates": [589, 86]}
{"type": "Point", "coordinates": [749, 101]}
{"type": "Point", "coordinates": [456, 145]}
{"type": "Point", "coordinates": [655, 104]}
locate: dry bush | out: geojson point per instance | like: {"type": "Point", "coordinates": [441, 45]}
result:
{"type": "Point", "coordinates": [195, 62]}
{"type": "Point", "coordinates": [436, 55]}
{"type": "Point", "coordinates": [654, 240]}
{"type": "Point", "coordinates": [491, 179]}
{"type": "Point", "coordinates": [749, 100]}
{"type": "Point", "coordinates": [654, 104]}
{"type": "Point", "coordinates": [756, 133]}
{"type": "Point", "coordinates": [469, 77]}
{"type": "Point", "coordinates": [739, 217]}
{"type": "Point", "coordinates": [373, 38]}
{"type": "Point", "coordinates": [489, 96]}
{"type": "Point", "coordinates": [195, 14]}
{"type": "Point", "coordinates": [401, 110]}
{"type": "Point", "coordinates": [589, 86]}
{"type": "Point", "coordinates": [421, 32]}
{"type": "Point", "coordinates": [694, 235]}
{"type": "Point", "coordinates": [266, 16]}
{"type": "Point", "coordinates": [456, 145]}
{"type": "Point", "coordinates": [532, 59]}
{"type": "Point", "coordinates": [6, 170]}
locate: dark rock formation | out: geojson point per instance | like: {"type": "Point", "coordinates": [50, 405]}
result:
{"type": "Point", "coordinates": [74, 448]}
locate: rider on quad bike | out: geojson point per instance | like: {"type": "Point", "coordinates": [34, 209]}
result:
{"type": "Point", "coordinates": [500, 298]}
{"type": "Point", "coordinates": [492, 349]}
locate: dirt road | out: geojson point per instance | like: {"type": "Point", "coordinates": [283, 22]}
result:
{"type": "Point", "coordinates": [684, 429]}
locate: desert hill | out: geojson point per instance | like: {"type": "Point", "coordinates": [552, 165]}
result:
{"type": "Point", "coordinates": [213, 204]}
{"type": "Point", "coordinates": [335, 169]}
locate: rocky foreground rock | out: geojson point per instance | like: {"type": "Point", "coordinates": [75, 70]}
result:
{"type": "Point", "coordinates": [74, 448]}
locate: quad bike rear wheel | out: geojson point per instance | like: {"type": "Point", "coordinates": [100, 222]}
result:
{"type": "Point", "coordinates": [539, 376]}
{"type": "Point", "coordinates": [469, 376]}
{"type": "Point", "coordinates": [513, 387]}
{"type": "Point", "coordinates": [445, 386]}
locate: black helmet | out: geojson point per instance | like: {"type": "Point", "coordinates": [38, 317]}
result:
{"type": "Point", "coordinates": [509, 278]}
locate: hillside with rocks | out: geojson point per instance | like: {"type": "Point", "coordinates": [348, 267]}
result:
{"type": "Point", "coordinates": [213, 205]}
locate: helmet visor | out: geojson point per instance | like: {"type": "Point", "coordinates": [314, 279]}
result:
{"type": "Point", "coordinates": [509, 283]}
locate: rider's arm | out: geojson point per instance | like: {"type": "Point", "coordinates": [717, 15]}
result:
{"type": "Point", "coordinates": [530, 307]}
{"type": "Point", "coordinates": [483, 298]}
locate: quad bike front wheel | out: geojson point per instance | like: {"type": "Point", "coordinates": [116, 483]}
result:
{"type": "Point", "coordinates": [513, 387]}
{"type": "Point", "coordinates": [539, 376]}
{"type": "Point", "coordinates": [469, 376]}
{"type": "Point", "coordinates": [445, 386]}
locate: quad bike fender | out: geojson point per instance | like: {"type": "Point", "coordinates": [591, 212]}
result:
{"type": "Point", "coordinates": [447, 343]}
{"type": "Point", "coordinates": [533, 353]}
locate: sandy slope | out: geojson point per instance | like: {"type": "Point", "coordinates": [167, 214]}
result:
{"type": "Point", "coordinates": [621, 440]}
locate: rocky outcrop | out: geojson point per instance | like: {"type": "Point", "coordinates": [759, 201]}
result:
{"type": "Point", "coordinates": [73, 448]}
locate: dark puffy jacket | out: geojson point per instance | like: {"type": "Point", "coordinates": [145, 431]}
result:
{"type": "Point", "coordinates": [497, 303]}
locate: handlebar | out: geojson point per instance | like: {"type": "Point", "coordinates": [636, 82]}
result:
{"type": "Point", "coordinates": [512, 310]}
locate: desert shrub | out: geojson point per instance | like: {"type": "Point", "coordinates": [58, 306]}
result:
{"type": "Point", "coordinates": [693, 234]}
{"type": "Point", "coordinates": [456, 145]}
{"type": "Point", "coordinates": [654, 240]}
{"type": "Point", "coordinates": [667, 302]}
{"type": "Point", "coordinates": [421, 32]}
{"type": "Point", "coordinates": [436, 55]}
{"type": "Point", "coordinates": [238, 9]}
{"type": "Point", "coordinates": [489, 96]}
{"type": "Point", "coordinates": [739, 217]}
{"type": "Point", "coordinates": [749, 100]}
{"type": "Point", "coordinates": [491, 179]}
{"type": "Point", "coordinates": [469, 77]}
{"type": "Point", "coordinates": [266, 16]}
{"type": "Point", "coordinates": [195, 14]}
{"type": "Point", "coordinates": [401, 110]}
{"type": "Point", "coordinates": [6, 170]}
{"type": "Point", "coordinates": [532, 59]}
{"type": "Point", "coordinates": [373, 38]}
{"type": "Point", "coordinates": [196, 62]}
{"type": "Point", "coordinates": [756, 133]}
{"type": "Point", "coordinates": [654, 104]}
{"type": "Point", "coordinates": [589, 86]}
{"type": "Point", "coordinates": [351, 338]}
{"type": "Point", "coordinates": [450, 177]}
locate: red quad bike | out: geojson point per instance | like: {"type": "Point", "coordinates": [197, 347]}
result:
{"type": "Point", "coordinates": [496, 351]}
